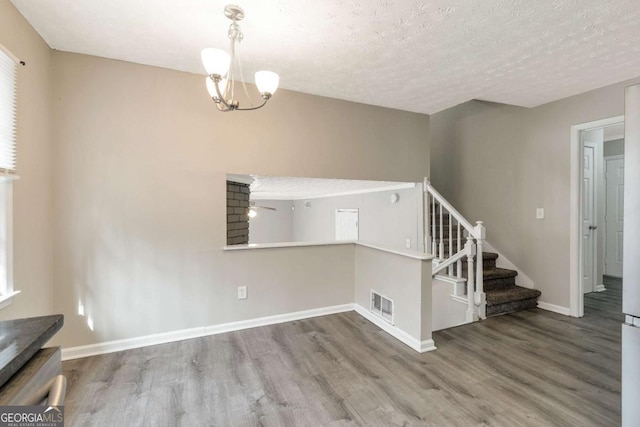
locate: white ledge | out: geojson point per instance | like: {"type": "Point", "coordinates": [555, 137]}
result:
{"type": "Point", "coordinates": [5, 300]}
{"type": "Point", "coordinates": [284, 245]}
{"type": "Point", "coordinates": [410, 254]}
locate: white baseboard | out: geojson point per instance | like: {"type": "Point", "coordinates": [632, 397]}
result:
{"type": "Point", "coordinates": [600, 288]}
{"type": "Point", "coordinates": [184, 334]}
{"type": "Point", "coordinates": [555, 308]}
{"type": "Point", "coordinates": [394, 331]}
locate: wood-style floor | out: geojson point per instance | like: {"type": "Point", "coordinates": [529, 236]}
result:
{"type": "Point", "coordinates": [532, 368]}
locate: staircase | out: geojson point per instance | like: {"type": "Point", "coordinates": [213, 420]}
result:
{"type": "Point", "coordinates": [503, 295]}
{"type": "Point", "coordinates": [490, 290]}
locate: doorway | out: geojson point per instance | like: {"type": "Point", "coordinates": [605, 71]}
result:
{"type": "Point", "coordinates": [597, 171]}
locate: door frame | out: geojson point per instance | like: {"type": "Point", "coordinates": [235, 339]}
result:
{"type": "Point", "coordinates": [576, 299]}
{"type": "Point", "coordinates": [605, 160]}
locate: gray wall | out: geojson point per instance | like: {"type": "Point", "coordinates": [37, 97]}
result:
{"type": "Point", "coordinates": [32, 193]}
{"type": "Point", "coordinates": [497, 163]}
{"type": "Point", "coordinates": [405, 280]}
{"type": "Point", "coordinates": [614, 147]}
{"type": "Point", "coordinates": [272, 226]}
{"type": "Point", "coordinates": [379, 220]}
{"type": "Point", "coordinates": [139, 196]}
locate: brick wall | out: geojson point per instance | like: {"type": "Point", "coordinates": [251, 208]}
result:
{"type": "Point", "coordinates": [237, 209]}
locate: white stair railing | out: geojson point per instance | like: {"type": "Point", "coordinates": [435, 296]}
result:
{"type": "Point", "coordinates": [438, 215]}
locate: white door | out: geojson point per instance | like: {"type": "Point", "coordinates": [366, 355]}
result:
{"type": "Point", "coordinates": [614, 217]}
{"type": "Point", "coordinates": [588, 220]}
{"type": "Point", "coordinates": [346, 224]}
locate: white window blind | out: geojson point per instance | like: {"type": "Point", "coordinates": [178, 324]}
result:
{"type": "Point", "coordinates": [8, 74]}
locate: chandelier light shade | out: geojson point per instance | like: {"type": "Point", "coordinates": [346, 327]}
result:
{"type": "Point", "coordinates": [221, 68]}
{"type": "Point", "coordinates": [215, 61]}
{"type": "Point", "coordinates": [267, 82]}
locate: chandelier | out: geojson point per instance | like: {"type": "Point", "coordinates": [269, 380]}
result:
{"type": "Point", "coordinates": [221, 69]}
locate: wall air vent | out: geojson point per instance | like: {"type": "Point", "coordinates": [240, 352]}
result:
{"type": "Point", "coordinates": [382, 306]}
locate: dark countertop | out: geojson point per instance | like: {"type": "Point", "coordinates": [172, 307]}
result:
{"type": "Point", "coordinates": [20, 339]}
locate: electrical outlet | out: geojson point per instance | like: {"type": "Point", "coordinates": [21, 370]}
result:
{"type": "Point", "coordinates": [540, 213]}
{"type": "Point", "coordinates": [407, 243]}
{"type": "Point", "coordinates": [242, 292]}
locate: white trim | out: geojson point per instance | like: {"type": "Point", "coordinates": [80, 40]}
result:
{"type": "Point", "coordinates": [459, 286]}
{"type": "Point", "coordinates": [276, 196]}
{"type": "Point", "coordinates": [394, 331]}
{"type": "Point", "coordinates": [284, 245]}
{"type": "Point", "coordinates": [9, 54]}
{"type": "Point", "coordinates": [460, 298]}
{"type": "Point", "coordinates": [555, 308]}
{"type": "Point", "coordinates": [7, 176]}
{"type": "Point", "coordinates": [202, 331]}
{"type": "Point", "coordinates": [409, 254]}
{"type": "Point", "coordinates": [598, 209]}
{"type": "Point", "coordinates": [576, 303]}
{"type": "Point", "coordinates": [406, 253]}
{"type": "Point", "coordinates": [184, 334]}
{"type": "Point", "coordinates": [6, 231]}
{"type": "Point", "coordinates": [242, 179]}
{"type": "Point", "coordinates": [5, 300]}
{"type": "Point", "coordinates": [613, 137]}
{"type": "Point", "coordinates": [449, 279]}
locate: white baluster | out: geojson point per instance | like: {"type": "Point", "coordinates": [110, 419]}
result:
{"type": "Point", "coordinates": [450, 269]}
{"type": "Point", "coordinates": [459, 263]}
{"type": "Point", "coordinates": [441, 238]}
{"type": "Point", "coordinates": [433, 226]}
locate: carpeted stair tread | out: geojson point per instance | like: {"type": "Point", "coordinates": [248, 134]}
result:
{"type": "Point", "coordinates": [512, 294]}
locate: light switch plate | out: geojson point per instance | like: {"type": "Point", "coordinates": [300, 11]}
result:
{"type": "Point", "coordinates": [540, 213]}
{"type": "Point", "coordinates": [242, 292]}
{"type": "Point", "coordinates": [407, 243]}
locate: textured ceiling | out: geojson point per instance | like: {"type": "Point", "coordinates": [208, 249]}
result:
{"type": "Point", "coordinates": [288, 188]}
{"type": "Point", "coordinates": [421, 56]}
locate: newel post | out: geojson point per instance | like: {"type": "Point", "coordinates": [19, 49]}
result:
{"type": "Point", "coordinates": [426, 215]}
{"type": "Point", "coordinates": [470, 250]}
{"type": "Point", "coordinates": [480, 296]}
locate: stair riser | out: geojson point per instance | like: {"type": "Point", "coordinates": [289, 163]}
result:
{"type": "Point", "coordinates": [510, 307]}
{"type": "Point", "coordinates": [487, 264]}
{"type": "Point", "coordinates": [497, 284]}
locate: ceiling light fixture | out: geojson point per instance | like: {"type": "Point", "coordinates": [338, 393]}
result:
{"type": "Point", "coordinates": [221, 69]}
